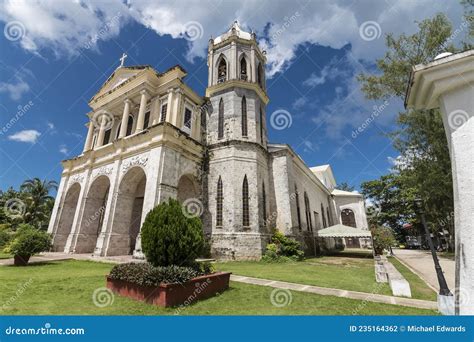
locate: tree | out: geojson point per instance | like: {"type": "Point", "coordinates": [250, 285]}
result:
{"type": "Point", "coordinates": [345, 186]}
{"type": "Point", "coordinates": [27, 241]}
{"type": "Point", "coordinates": [38, 201]}
{"type": "Point", "coordinates": [420, 137]}
{"type": "Point", "coordinates": [169, 237]}
{"type": "Point", "coordinates": [382, 238]}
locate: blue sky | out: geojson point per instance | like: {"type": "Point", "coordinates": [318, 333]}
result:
{"type": "Point", "coordinates": [56, 54]}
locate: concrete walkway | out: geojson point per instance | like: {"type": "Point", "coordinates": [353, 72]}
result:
{"type": "Point", "coordinates": [56, 256]}
{"type": "Point", "coordinates": [325, 291]}
{"type": "Point", "coordinates": [421, 263]}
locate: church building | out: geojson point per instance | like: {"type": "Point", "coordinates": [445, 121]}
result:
{"type": "Point", "coordinates": [151, 137]}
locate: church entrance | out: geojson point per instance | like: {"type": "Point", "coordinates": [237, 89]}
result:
{"type": "Point", "coordinates": [128, 213]}
{"type": "Point", "coordinates": [67, 217]}
{"type": "Point", "coordinates": [93, 217]}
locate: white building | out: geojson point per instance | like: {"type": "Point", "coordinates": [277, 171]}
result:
{"type": "Point", "coordinates": [151, 137]}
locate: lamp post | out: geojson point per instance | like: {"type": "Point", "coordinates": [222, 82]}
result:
{"type": "Point", "coordinates": [445, 297]}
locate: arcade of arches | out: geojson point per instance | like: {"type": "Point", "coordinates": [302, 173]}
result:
{"type": "Point", "coordinates": [125, 213]}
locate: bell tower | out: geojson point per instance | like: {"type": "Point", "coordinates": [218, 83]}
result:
{"type": "Point", "coordinates": [237, 144]}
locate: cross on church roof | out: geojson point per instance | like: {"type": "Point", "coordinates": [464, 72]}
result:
{"type": "Point", "coordinates": [122, 59]}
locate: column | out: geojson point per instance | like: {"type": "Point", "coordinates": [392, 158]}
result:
{"type": "Point", "coordinates": [125, 115]}
{"type": "Point", "coordinates": [176, 112]}
{"type": "Point", "coordinates": [155, 111]}
{"type": "Point", "coordinates": [233, 62]}
{"type": "Point", "coordinates": [253, 65]}
{"type": "Point", "coordinates": [141, 111]}
{"type": "Point", "coordinates": [100, 137]}
{"type": "Point", "coordinates": [170, 104]}
{"type": "Point", "coordinates": [90, 133]}
{"type": "Point", "coordinates": [447, 83]}
{"type": "Point", "coordinates": [211, 67]}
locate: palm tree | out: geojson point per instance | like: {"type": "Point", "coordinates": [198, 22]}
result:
{"type": "Point", "coordinates": [38, 200]}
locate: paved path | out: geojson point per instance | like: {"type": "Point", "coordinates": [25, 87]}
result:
{"type": "Point", "coordinates": [46, 257]}
{"type": "Point", "coordinates": [421, 263]}
{"type": "Point", "coordinates": [325, 291]}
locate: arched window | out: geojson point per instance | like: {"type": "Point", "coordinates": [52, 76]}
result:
{"type": "Point", "coordinates": [107, 136]}
{"type": "Point", "coordinates": [244, 117]}
{"type": "Point", "coordinates": [298, 214]}
{"type": "Point", "coordinates": [245, 203]}
{"type": "Point", "coordinates": [261, 125]}
{"type": "Point", "coordinates": [348, 218]}
{"type": "Point", "coordinates": [243, 69]}
{"type": "Point", "coordinates": [308, 212]}
{"type": "Point", "coordinates": [264, 204]}
{"type": "Point", "coordinates": [260, 75]}
{"type": "Point", "coordinates": [222, 71]}
{"type": "Point", "coordinates": [219, 201]}
{"type": "Point", "coordinates": [220, 120]}
{"type": "Point", "coordinates": [324, 216]}
{"type": "Point", "coordinates": [129, 125]}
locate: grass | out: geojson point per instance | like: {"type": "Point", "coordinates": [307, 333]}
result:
{"type": "Point", "coordinates": [67, 287]}
{"type": "Point", "coordinates": [447, 255]}
{"type": "Point", "coordinates": [5, 256]}
{"type": "Point", "coordinates": [419, 289]}
{"type": "Point", "coordinates": [349, 270]}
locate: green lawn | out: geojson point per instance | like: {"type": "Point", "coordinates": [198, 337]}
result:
{"type": "Point", "coordinates": [418, 287]}
{"type": "Point", "coordinates": [348, 271]}
{"type": "Point", "coordinates": [5, 256]}
{"type": "Point", "coordinates": [66, 287]}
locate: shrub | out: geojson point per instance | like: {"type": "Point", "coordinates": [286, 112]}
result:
{"type": "Point", "coordinates": [171, 238]}
{"type": "Point", "coordinates": [145, 274]}
{"type": "Point", "coordinates": [382, 238]}
{"type": "Point", "coordinates": [5, 235]}
{"type": "Point", "coordinates": [28, 241]}
{"type": "Point", "coordinates": [283, 248]}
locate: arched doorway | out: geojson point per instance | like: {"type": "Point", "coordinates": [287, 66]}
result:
{"type": "Point", "coordinates": [67, 217]}
{"type": "Point", "coordinates": [348, 218]}
{"type": "Point", "coordinates": [93, 217]}
{"type": "Point", "coordinates": [128, 213]}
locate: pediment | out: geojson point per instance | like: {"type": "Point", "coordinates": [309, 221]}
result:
{"type": "Point", "coordinates": [119, 77]}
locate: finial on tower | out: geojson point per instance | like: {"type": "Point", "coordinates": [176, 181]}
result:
{"type": "Point", "coordinates": [122, 59]}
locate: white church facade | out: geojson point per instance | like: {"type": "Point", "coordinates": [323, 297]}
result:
{"type": "Point", "coordinates": [151, 137]}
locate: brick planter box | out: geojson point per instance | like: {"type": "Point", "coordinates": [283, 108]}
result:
{"type": "Point", "coordinates": [174, 294]}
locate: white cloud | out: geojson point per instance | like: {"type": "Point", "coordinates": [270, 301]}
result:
{"type": "Point", "coordinates": [335, 69]}
{"type": "Point", "coordinates": [28, 136]}
{"type": "Point", "coordinates": [50, 125]}
{"type": "Point", "coordinates": [63, 149]}
{"type": "Point", "coordinates": [14, 89]}
{"type": "Point", "coordinates": [283, 26]}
